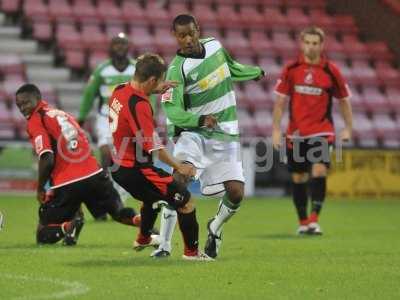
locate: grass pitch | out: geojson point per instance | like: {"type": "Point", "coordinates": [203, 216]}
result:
{"type": "Point", "coordinates": [261, 258]}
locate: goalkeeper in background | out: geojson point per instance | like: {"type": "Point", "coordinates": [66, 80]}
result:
{"type": "Point", "coordinates": [201, 114]}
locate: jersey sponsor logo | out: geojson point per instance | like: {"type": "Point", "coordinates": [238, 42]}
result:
{"type": "Point", "coordinates": [39, 143]}
{"type": "Point", "coordinates": [167, 96]}
{"type": "Point", "coordinates": [308, 90]}
{"type": "Point", "coordinates": [214, 78]}
{"type": "Point", "coordinates": [194, 76]}
{"type": "Point", "coordinates": [309, 78]}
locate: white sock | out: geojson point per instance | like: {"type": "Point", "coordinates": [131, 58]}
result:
{"type": "Point", "coordinates": [168, 222]}
{"type": "Point", "coordinates": [224, 213]}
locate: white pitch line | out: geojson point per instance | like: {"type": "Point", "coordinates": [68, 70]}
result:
{"type": "Point", "coordinates": [73, 288]}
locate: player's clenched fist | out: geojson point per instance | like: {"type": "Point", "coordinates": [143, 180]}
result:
{"type": "Point", "coordinates": [208, 121]}
{"type": "Point", "coordinates": [186, 170]}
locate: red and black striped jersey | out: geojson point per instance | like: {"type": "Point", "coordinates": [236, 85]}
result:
{"type": "Point", "coordinates": [53, 130]}
{"type": "Point", "coordinates": [132, 127]}
{"type": "Point", "coordinates": [311, 89]}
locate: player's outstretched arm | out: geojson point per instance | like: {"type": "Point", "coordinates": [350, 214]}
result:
{"type": "Point", "coordinates": [46, 164]}
{"type": "Point", "coordinates": [241, 72]}
{"type": "Point", "coordinates": [88, 96]}
{"type": "Point", "coordinates": [347, 115]}
{"type": "Point", "coordinates": [279, 109]}
{"type": "Point", "coordinates": [186, 170]}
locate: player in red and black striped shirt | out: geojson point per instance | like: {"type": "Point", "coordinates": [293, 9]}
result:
{"type": "Point", "coordinates": [310, 83]}
{"type": "Point", "coordinates": [67, 165]}
{"type": "Point", "coordinates": [135, 141]}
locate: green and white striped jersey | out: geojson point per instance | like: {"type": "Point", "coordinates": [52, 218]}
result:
{"type": "Point", "coordinates": [101, 85]}
{"type": "Point", "coordinates": [205, 87]}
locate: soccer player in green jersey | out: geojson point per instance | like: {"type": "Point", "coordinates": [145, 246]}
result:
{"type": "Point", "coordinates": [201, 114]}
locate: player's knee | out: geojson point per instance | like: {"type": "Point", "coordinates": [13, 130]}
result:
{"type": "Point", "coordinates": [188, 208]}
{"type": "Point", "coordinates": [235, 194]}
{"type": "Point", "coordinates": [319, 170]}
{"type": "Point", "coordinates": [299, 177]}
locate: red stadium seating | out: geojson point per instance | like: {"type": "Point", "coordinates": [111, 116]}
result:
{"type": "Point", "coordinates": [205, 15]}
{"type": "Point", "coordinates": [68, 37]}
{"type": "Point", "coordinates": [237, 43]}
{"type": "Point", "coordinates": [60, 10]}
{"type": "Point", "coordinates": [297, 18]}
{"type": "Point", "coordinates": [10, 6]}
{"type": "Point", "coordinates": [141, 39]}
{"type": "Point", "coordinates": [133, 13]}
{"type": "Point", "coordinates": [84, 10]}
{"type": "Point", "coordinates": [109, 12]}
{"type": "Point", "coordinates": [256, 21]}
{"type": "Point", "coordinates": [228, 17]}
{"type": "Point", "coordinates": [157, 14]}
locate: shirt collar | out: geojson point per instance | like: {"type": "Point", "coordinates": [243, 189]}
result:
{"type": "Point", "coordinates": [40, 105]}
{"type": "Point", "coordinates": [139, 92]}
{"type": "Point", "coordinates": [321, 63]}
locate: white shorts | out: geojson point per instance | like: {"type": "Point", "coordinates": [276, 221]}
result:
{"type": "Point", "coordinates": [103, 132]}
{"type": "Point", "coordinates": [216, 161]}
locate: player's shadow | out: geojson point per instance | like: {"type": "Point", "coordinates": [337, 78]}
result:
{"type": "Point", "coordinates": [274, 236]}
{"type": "Point", "coordinates": [127, 262]}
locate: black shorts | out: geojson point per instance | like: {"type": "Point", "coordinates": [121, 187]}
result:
{"type": "Point", "coordinates": [96, 190]}
{"type": "Point", "coordinates": [151, 184]}
{"type": "Point", "coordinates": [303, 153]}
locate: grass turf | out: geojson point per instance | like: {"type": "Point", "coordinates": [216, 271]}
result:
{"type": "Point", "coordinates": [357, 258]}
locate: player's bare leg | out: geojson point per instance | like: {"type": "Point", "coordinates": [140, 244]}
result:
{"type": "Point", "coordinates": [228, 206]}
{"type": "Point", "coordinates": [318, 190]}
{"type": "Point", "coordinates": [300, 200]}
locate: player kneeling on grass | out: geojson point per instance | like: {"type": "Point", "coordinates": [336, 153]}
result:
{"type": "Point", "coordinates": [135, 141]}
{"type": "Point", "coordinates": [67, 164]}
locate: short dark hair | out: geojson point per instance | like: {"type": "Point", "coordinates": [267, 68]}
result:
{"type": "Point", "coordinates": [148, 65]}
{"type": "Point", "coordinates": [313, 30]}
{"type": "Point", "coordinates": [184, 19]}
{"type": "Point", "coordinates": [30, 89]}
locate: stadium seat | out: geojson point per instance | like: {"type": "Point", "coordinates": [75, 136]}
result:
{"type": "Point", "coordinates": [60, 10]}
{"type": "Point", "coordinates": [284, 45]}
{"type": "Point", "coordinates": [275, 19]}
{"type": "Point", "coordinates": [321, 18]}
{"type": "Point", "coordinates": [163, 39]}
{"type": "Point", "coordinates": [228, 17]}
{"type": "Point", "coordinates": [247, 125]}
{"type": "Point", "coordinates": [363, 73]}
{"type": "Point", "coordinates": [133, 14]}
{"type": "Point", "coordinates": [75, 59]}
{"type": "Point", "coordinates": [263, 120]}
{"type": "Point", "coordinates": [35, 8]}
{"type": "Point", "coordinates": [393, 97]}
{"type": "Point", "coordinates": [109, 12]}
{"type": "Point", "coordinates": [211, 32]}
{"type": "Point", "coordinates": [379, 50]}
{"type": "Point", "coordinates": [177, 8]}
{"type": "Point", "coordinates": [157, 14]}
{"type": "Point", "coordinates": [260, 44]}
{"type": "Point", "coordinates": [375, 100]}
{"type": "Point", "coordinates": [236, 43]}
{"type": "Point", "coordinates": [11, 65]}
{"type": "Point", "coordinates": [205, 15]}
{"type": "Point", "coordinates": [97, 57]}
{"type": "Point", "coordinates": [297, 18]}
{"type": "Point", "coordinates": [93, 37]}
{"type": "Point", "coordinates": [256, 95]}
{"type": "Point", "coordinates": [141, 39]}
{"type": "Point", "coordinates": [387, 74]}
{"type": "Point", "coordinates": [353, 47]}
{"type": "Point", "coordinates": [386, 127]}
{"type": "Point", "coordinates": [84, 11]}
{"type": "Point", "coordinates": [346, 23]}
{"type": "Point", "coordinates": [271, 68]}
{"type": "Point", "coordinates": [42, 29]}
{"type": "Point", "coordinates": [364, 131]}
{"type": "Point", "coordinates": [10, 6]}
{"type": "Point", "coordinates": [68, 37]}
{"type": "Point", "coordinates": [251, 17]}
